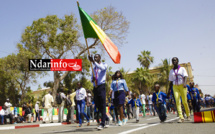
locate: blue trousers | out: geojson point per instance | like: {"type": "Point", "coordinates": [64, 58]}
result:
{"type": "Point", "coordinates": [112, 113]}
{"type": "Point", "coordinates": [2, 119]}
{"type": "Point", "coordinates": [81, 106]}
{"type": "Point", "coordinates": [161, 111]}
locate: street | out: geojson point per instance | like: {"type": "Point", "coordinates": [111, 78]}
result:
{"type": "Point", "coordinates": [147, 125]}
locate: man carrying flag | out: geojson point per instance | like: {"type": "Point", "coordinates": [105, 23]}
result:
{"type": "Point", "coordinates": [92, 30]}
{"type": "Point", "coordinates": [99, 90]}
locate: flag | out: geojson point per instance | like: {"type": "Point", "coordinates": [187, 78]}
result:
{"type": "Point", "coordinates": [92, 30]}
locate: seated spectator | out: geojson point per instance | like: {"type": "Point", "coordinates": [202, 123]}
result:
{"type": "Point", "coordinates": [28, 112]}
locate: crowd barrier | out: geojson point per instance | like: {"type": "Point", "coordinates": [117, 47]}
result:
{"type": "Point", "coordinates": [204, 116]}
{"type": "Point", "coordinates": [54, 111]}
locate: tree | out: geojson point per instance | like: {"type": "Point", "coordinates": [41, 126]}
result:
{"type": "Point", "coordinates": [56, 38]}
{"type": "Point", "coordinates": [127, 78]}
{"type": "Point", "coordinates": [164, 73]}
{"type": "Point", "coordinates": [16, 67]}
{"type": "Point", "coordinates": [141, 77]}
{"type": "Point", "coordinates": [145, 59]}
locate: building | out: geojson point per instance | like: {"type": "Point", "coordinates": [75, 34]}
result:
{"type": "Point", "coordinates": [39, 92]}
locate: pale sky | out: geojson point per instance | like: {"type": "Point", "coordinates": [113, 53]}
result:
{"type": "Point", "coordinates": [167, 28]}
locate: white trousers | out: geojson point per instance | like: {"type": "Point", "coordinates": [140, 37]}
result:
{"type": "Point", "coordinates": [49, 111]}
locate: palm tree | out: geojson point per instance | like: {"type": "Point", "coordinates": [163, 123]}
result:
{"type": "Point", "coordinates": [127, 78]}
{"type": "Point", "coordinates": [145, 59]}
{"type": "Point", "coordinates": [164, 73]}
{"type": "Point", "coordinates": [142, 78]}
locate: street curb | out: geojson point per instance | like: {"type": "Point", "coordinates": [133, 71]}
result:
{"type": "Point", "coordinates": [33, 126]}
{"type": "Point", "coordinates": [39, 125]}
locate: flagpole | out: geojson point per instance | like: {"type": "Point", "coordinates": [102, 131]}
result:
{"type": "Point", "coordinates": [89, 54]}
{"type": "Point", "coordinates": [90, 62]}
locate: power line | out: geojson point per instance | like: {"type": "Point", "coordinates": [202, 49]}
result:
{"type": "Point", "coordinates": [207, 85]}
{"type": "Point", "coordinates": [204, 75]}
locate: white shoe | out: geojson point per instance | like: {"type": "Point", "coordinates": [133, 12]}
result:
{"type": "Point", "coordinates": [189, 119]}
{"type": "Point", "coordinates": [100, 127]}
{"type": "Point", "coordinates": [120, 123]}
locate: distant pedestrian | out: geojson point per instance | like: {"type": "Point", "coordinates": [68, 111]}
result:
{"type": "Point", "coordinates": [60, 99]}
{"type": "Point", "coordinates": [48, 101]}
{"type": "Point", "coordinates": [37, 110]}
{"type": "Point", "coordinates": [72, 108]}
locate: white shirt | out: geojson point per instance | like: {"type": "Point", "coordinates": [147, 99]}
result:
{"type": "Point", "coordinates": [142, 98]}
{"type": "Point", "coordinates": [8, 105]}
{"type": "Point", "coordinates": [48, 100]}
{"type": "Point", "coordinates": [81, 94]}
{"type": "Point", "coordinates": [180, 73]}
{"type": "Point", "coordinates": [149, 98]}
{"type": "Point", "coordinates": [63, 97]}
{"type": "Point", "coordinates": [2, 112]}
{"type": "Point", "coordinates": [36, 107]}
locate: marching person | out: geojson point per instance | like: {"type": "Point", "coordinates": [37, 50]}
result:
{"type": "Point", "coordinates": [142, 98]}
{"type": "Point", "coordinates": [159, 102]}
{"type": "Point", "coordinates": [80, 97]}
{"type": "Point", "coordinates": [178, 79]}
{"type": "Point", "coordinates": [136, 104]}
{"type": "Point", "coordinates": [120, 89]}
{"type": "Point", "coordinates": [150, 104]}
{"type": "Point", "coordinates": [99, 90]}
{"type": "Point", "coordinates": [195, 97]}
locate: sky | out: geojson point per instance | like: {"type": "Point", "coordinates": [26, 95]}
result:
{"type": "Point", "coordinates": [167, 28]}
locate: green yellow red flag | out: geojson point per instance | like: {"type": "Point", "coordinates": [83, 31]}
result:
{"type": "Point", "coordinates": [92, 30]}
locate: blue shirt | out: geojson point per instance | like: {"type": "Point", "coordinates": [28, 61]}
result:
{"type": "Point", "coordinates": [132, 102]}
{"type": "Point", "coordinates": [117, 85]}
{"type": "Point", "coordinates": [100, 73]}
{"type": "Point", "coordinates": [195, 93]}
{"type": "Point", "coordinates": [161, 97]}
{"type": "Point", "coordinates": [188, 96]}
{"type": "Point", "coordinates": [15, 111]}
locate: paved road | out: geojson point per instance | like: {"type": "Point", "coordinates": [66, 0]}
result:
{"type": "Point", "coordinates": [147, 125]}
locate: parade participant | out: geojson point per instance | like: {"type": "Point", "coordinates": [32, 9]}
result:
{"type": "Point", "coordinates": [119, 87]}
{"type": "Point", "coordinates": [178, 80]}
{"type": "Point", "coordinates": [142, 98]}
{"type": "Point", "coordinates": [195, 97]}
{"type": "Point", "coordinates": [48, 101]}
{"type": "Point", "coordinates": [136, 104]}
{"type": "Point", "coordinates": [189, 101]}
{"type": "Point", "coordinates": [159, 102]}
{"type": "Point", "coordinates": [111, 107]}
{"type": "Point", "coordinates": [80, 97]}
{"type": "Point", "coordinates": [129, 108]}
{"type": "Point", "coordinates": [99, 90]}
{"type": "Point", "coordinates": [151, 108]}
